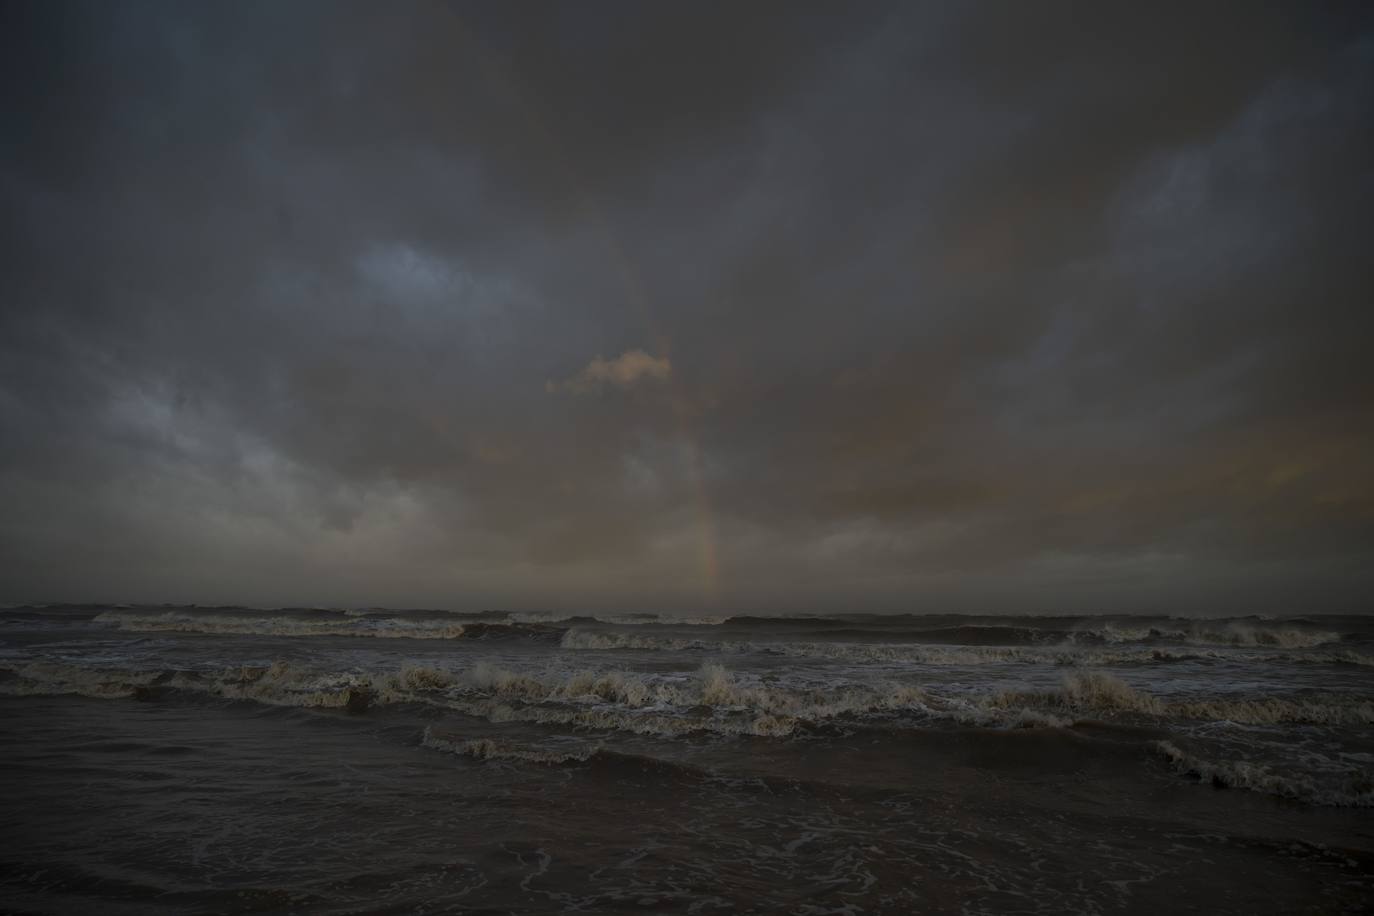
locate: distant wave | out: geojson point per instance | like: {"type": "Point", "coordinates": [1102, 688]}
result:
{"type": "Point", "coordinates": [1240, 634]}
{"type": "Point", "coordinates": [623, 620]}
{"type": "Point", "coordinates": [576, 638]}
{"type": "Point", "coordinates": [335, 624]}
{"type": "Point", "coordinates": [601, 640]}
{"type": "Point", "coordinates": [1232, 634]}
{"type": "Point", "coordinates": [1097, 654]}
{"type": "Point", "coordinates": [890, 637]}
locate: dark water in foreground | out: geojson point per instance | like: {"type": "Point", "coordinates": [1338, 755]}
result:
{"type": "Point", "coordinates": [226, 761]}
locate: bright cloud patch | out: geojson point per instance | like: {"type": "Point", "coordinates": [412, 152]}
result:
{"type": "Point", "coordinates": [628, 369]}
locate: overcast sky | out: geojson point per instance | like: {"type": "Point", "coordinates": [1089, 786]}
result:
{"type": "Point", "coordinates": [952, 306]}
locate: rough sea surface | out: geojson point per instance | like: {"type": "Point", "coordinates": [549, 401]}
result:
{"type": "Point", "coordinates": [197, 760]}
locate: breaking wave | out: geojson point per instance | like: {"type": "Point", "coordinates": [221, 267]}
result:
{"type": "Point", "coordinates": [715, 701]}
{"type": "Point", "coordinates": [1089, 692]}
{"type": "Point", "coordinates": [1355, 790]}
{"type": "Point", "coordinates": [711, 700]}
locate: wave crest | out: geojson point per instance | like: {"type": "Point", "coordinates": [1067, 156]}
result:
{"type": "Point", "coordinates": [1352, 791]}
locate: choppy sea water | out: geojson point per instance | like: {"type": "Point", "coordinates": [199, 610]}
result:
{"type": "Point", "coordinates": [189, 760]}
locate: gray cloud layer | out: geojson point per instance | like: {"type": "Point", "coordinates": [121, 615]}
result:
{"type": "Point", "coordinates": [1007, 306]}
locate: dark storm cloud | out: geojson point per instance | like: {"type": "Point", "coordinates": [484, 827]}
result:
{"type": "Point", "coordinates": [1023, 305]}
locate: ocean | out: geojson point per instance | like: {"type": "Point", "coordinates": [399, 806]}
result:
{"type": "Point", "coordinates": [230, 760]}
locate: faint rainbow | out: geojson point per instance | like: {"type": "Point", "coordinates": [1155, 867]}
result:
{"type": "Point", "coordinates": [495, 71]}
